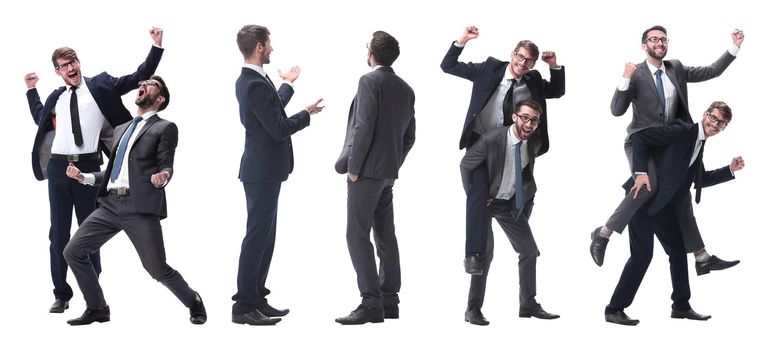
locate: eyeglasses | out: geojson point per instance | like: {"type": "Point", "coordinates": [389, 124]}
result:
{"type": "Point", "coordinates": [68, 64]}
{"type": "Point", "coordinates": [656, 39]}
{"type": "Point", "coordinates": [528, 119]}
{"type": "Point", "coordinates": [720, 123]}
{"type": "Point", "coordinates": [154, 83]}
{"type": "Point", "coordinates": [527, 61]}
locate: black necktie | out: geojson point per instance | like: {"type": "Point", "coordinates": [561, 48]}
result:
{"type": "Point", "coordinates": [698, 174]}
{"type": "Point", "coordinates": [75, 114]}
{"type": "Point", "coordinates": [507, 105]}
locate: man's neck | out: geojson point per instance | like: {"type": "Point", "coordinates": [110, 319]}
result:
{"type": "Point", "coordinates": [512, 73]}
{"type": "Point", "coordinates": [654, 61]}
{"type": "Point", "coordinates": [254, 61]}
{"type": "Point", "coordinates": [143, 111]}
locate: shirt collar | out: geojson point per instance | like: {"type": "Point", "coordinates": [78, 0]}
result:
{"type": "Point", "coordinates": [258, 69]}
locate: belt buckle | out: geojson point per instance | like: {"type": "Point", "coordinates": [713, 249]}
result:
{"type": "Point", "coordinates": [122, 191]}
{"type": "Point", "coordinates": [73, 157]}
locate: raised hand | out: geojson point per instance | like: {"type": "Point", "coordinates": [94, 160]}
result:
{"type": "Point", "coordinates": [291, 75]}
{"type": "Point", "coordinates": [31, 80]}
{"type": "Point", "coordinates": [630, 68]}
{"type": "Point", "coordinates": [737, 37]}
{"type": "Point", "coordinates": [470, 33]}
{"type": "Point", "coordinates": [157, 36]}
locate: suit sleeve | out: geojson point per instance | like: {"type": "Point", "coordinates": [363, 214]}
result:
{"type": "Point", "coordinates": [35, 106]}
{"type": "Point", "coordinates": [451, 64]}
{"type": "Point", "coordinates": [621, 100]}
{"type": "Point", "coordinates": [285, 92]}
{"type": "Point", "coordinates": [655, 137]}
{"type": "Point", "coordinates": [126, 83]}
{"type": "Point", "coordinates": [366, 114]}
{"type": "Point", "coordinates": [474, 157]}
{"type": "Point", "coordinates": [169, 138]}
{"type": "Point", "coordinates": [697, 74]}
{"type": "Point", "coordinates": [409, 137]}
{"type": "Point", "coordinates": [556, 87]}
{"type": "Point", "coordinates": [715, 177]}
{"type": "Point", "coordinates": [260, 109]}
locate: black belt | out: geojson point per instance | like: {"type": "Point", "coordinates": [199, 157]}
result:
{"type": "Point", "coordinates": [76, 157]}
{"type": "Point", "coordinates": [119, 191]}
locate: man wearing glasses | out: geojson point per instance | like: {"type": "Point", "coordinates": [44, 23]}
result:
{"type": "Point", "coordinates": [507, 154]}
{"type": "Point", "coordinates": [677, 151]}
{"type": "Point", "coordinates": [131, 197]}
{"type": "Point", "coordinates": [74, 125]}
{"type": "Point", "coordinates": [497, 87]}
{"type": "Point", "coordinates": [658, 91]}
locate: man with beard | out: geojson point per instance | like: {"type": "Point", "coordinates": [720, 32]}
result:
{"type": "Point", "coordinates": [678, 149]}
{"type": "Point", "coordinates": [380, 132]}
{"type": "Point", "coordinates": [497, 87]}
{"type": "Point", "coordinates": [268, 158]}
{"type": "Point", "coordinates": [508, 154]}
{"type": "Point", "coordinates": [75, 126]}
{"type": "Point", "coordinates": [131, 197]}
{"type": "Point", "coordinates": [658, 92]}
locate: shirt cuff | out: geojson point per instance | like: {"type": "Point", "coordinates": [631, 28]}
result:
{"type": "Point", "coordinates": [734, 50]}
{"type": "Point", "coordinates": [88, 179]}
{"type": "Point", "coordinates": [458, 44]}
{"type": "Point", "coordinates": [624, 84]}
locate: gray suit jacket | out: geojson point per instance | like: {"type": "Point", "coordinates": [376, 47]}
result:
{"type": "Point", "coordinates": [380, 127]}
{"type": "Point", "coordinates": [152, 152]}
{"type": "Point", "coordinates": [642, 93]}
{"type": "Point", "coordinates": [490, 150]}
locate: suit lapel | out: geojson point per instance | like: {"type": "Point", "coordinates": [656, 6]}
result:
{"type": "Point", "coordinates": [646, 75]}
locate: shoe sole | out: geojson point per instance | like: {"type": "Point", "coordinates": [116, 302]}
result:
{"type": "Point", "coordinates": [271, 323]}
{"type": "Point", "coordinates": [359, 323]}
{"type": "Point", "coordinates": [101, 320]}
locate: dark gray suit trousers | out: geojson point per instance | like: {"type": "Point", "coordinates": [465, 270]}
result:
{"type": "Point", "coordinates": [370, 206]}
{"type": "Point", "coordinates": [519, 234]}
{"type": "Point", "coordinates": [628, 207]}
{"type": "Point", "coordinates": [116, 213]}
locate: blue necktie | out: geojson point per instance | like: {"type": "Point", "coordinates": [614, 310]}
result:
{"type": "Point", "coordinates": [518, 177]}
{"type": "Point", "coordinates": [660, 88]}
{"type": "Point", "coordinates": [121, 149]}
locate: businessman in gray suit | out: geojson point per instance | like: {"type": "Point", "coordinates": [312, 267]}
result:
{"type": "Point", "coordinates": [508, 153]}
{"type": "Point", "coordinates": [131, 197]}
{"type": "Point", "coordinates": [380, 132]}
{"type": "Point", "coordinates": [658, 92]}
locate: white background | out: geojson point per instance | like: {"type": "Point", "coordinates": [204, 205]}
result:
{"type": "Point", "coordinates": [311, 273]}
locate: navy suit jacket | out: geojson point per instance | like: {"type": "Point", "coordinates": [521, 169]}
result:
{"type": "Point", "coordinates": [106, 91]}
{"type": "Point", "coordinates": [268, 156]}
{"type": "Point", "coordinates": [153, 151]}
{"type": "Point", "coordinates": [486, 77]}
{"type": "Point", "coordinates": [673, 147]}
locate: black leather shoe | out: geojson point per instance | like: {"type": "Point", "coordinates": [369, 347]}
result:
{"type": "Point", "coordinates": [59, 306]}
{"type": "Point", "coordinates": [362, 315]}
{"type": "Point", "coordinates": [712, 264]}
{"type": "Point", "coordinates": [270, 311]}
{"type": "Point", "coordinates": [474, 316]}
{"type": "Point", "coordinates": [689, 314]}
{"type": "Point", "coordinates": [473, 264]}
{"type": "Point", "coordinates": [198, 311]}
{"type": "Point", "coordinates": [91, 316]}
{"type": "Point", "coordinates": [254, 318]}
{"type": "Point", "coordinates": [536, 311]}
{"type": "Point", "coordinates": [391, 312]}
{"type": "Point", "coordinates": [620, 317]}
{"type": "Point", "coordinates": [598, 246]}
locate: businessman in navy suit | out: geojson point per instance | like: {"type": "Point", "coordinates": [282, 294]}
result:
{"type": "Point", "coordinates": [76, 126]}
{"type": "Point", "coordinates": [497, 87]}
{"type": "Point", "coordinates": [658, 91]}
{"type": "Point", "coordinates": [132, 198]}
{"type": "Point", "coordinates": [677, 150]}
{"type": "Point", "coordinates": [267, 160]}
